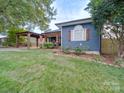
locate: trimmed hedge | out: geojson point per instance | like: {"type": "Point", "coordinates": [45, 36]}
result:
{"type": "Point", "coordinates": [47, 45]}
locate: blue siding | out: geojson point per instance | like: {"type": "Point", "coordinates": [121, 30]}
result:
{"type": "Point", "coordinates": [93, 43]}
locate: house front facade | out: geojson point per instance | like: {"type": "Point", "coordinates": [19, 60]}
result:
{"type": "Point", "coordinates": [80, 33]}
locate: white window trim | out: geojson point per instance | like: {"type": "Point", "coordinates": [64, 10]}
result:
{"type": "Point", "coordinates": [83, 35]}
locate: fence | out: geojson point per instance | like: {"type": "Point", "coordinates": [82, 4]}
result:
{"type": "Point", "coordinates": [108, 47]}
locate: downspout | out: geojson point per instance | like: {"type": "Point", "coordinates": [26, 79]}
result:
{"type": "Point", "coordinates": [61, 37]}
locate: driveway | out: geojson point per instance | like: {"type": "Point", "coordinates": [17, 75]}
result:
{"type": "Point", "coordinates": [12, 49]}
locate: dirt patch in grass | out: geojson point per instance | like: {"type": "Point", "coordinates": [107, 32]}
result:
{"type": "Point", "coordinates": [108, 59]}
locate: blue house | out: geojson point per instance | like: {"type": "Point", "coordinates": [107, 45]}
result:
{"type": "Point", "coordinates": [80, 33]}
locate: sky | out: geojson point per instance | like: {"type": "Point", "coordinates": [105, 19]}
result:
{"type": "Point", "coordinates": [68, 10]}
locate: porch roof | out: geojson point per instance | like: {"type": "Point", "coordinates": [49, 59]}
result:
{"type": "Point", "coordinates": [32, 34]}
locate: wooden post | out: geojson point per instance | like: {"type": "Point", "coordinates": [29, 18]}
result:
{"type": "Point", "coordinates": [57, 40]}
{"type": "Point", "coordinates": [37, 41]}
{"type": "Point", "coordinates": [28, 41]}
{"type": "Point", "coordinates": [45, 38]}
{"type": "Point", "coordinates": [17, 41]}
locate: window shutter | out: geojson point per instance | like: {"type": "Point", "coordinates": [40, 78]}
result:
{"type": "Point", "coordinates": [87, 34]}
{"type": "Point", "coordinates": [69, 36]}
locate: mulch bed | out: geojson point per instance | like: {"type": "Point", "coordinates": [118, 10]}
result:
{"type": "Point", "coordinates": [108, 59]}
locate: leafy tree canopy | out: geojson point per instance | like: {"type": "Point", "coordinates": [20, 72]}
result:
{"type": "Point", "coordinates": [11, 41]}
{"type": "Point", "coordinates": [106, 10]}
{"type": "Point", "coordinates": [109, 13]}
{"type": "Point", "coordinates": [19, 12]}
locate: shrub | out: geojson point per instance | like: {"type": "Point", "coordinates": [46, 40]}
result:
{"type": "Point", "coordinates": [47, 45]}
{"type": "Point", "coordinates": [5, 44]}
{"type": "Point", "coordinates": [66, 50]}
{"type": "Point", "coordinates": [78, 51]}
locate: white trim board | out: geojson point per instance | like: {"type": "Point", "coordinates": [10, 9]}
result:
{"type": "Point", "coordinates": [74, 22]}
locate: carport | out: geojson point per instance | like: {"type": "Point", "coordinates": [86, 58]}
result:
{"type": "Point", "coordinates": [29, 35]}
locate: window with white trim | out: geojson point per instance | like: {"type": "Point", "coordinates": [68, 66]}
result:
{"type": "Point", "coordinates": [78, 33]}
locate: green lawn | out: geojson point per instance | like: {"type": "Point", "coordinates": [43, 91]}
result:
{"type": "Point", "coordinates": [40, 71]}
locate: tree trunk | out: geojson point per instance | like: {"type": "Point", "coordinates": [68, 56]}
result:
{"type": "Point", "coordinates": [121, 49]}
{"type": "Point", "coordinates": [121, 43]}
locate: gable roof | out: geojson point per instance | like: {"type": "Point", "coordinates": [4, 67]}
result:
{"type": "Point", "coordinates": [73, 22]}
{"type": "Point", "coordinates": [51, 31]}
{"type": "Point", "coordinates": [57, 30]}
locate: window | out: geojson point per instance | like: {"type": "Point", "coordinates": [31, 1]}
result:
{"type": "Point", "coordinates": [78, 34]}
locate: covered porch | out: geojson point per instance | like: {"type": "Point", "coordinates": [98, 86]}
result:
{"type": "Point", "coordinates": [54, 37]}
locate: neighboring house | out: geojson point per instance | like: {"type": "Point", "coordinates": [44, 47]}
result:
{"type": "Point", "coordinates": [2, 39]}
{"type": "Point", "coordinates": [80, 33]}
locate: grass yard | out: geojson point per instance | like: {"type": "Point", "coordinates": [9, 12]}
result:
{"type": "Point", "coordinates": [40, 71]}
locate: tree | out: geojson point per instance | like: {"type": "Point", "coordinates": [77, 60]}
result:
{"type": "Point", "coordinates": [109, 13]}
{"type": "Point", "coordinates": [11, 41]}
{"type": "Point", "coordinates": [21, 12]}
